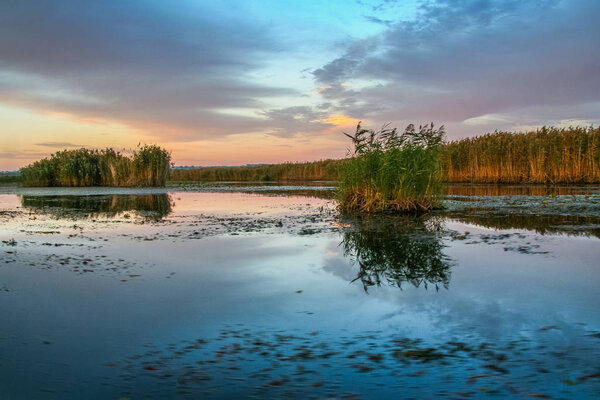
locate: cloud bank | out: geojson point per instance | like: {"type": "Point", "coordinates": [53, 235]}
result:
{"type": "Point", "coordinates": [526, 61]}
{"type": "Point", "coordinates": [188, 71]}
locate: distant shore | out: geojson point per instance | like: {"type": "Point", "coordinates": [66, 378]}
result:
{"type": "Point", "coordinates": [545, 156]}
{"type": "Point", "coordinates": [548, 155]}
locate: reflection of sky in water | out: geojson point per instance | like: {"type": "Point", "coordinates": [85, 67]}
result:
{"type": "Point", "coordinates": [236, 203]}
{"type": "Point", "coordinates": [60, 327]}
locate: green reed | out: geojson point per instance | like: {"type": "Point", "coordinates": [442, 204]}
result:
{"type": "Point", "coordinates": [388, 171]}
{"type": "Point", "coordinates": [149, 165]}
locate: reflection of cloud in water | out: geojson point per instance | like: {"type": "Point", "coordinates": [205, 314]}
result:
{"type": "Point", "coordinates": [494, 293]}
{"type": "Point", "coordinates": [291, 317]}
{"type": "Point", "coordinates": [336, 265]}
{"type": "Point", "coordinates": [458, 316]}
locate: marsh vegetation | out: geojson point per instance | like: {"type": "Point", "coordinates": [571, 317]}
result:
{"type": "Point", "coordinates": [391, 171]}
{"type": "Point", "coordinates": [547, 155]}
{"type": "Point", "coordinates": [316, 170]}
{"type": "Point", "coordinates": [149, 165]}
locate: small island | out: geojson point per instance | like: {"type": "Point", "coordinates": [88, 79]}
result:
{"type": "Point", "coordinates": [149, 165]}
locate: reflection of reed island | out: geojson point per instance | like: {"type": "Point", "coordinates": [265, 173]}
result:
{"type": "Point", "coordinates": [153, 206]}
{"type": "Point", "coordinates": [393, 250]}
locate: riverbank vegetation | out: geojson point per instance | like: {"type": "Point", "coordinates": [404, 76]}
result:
{"type": "Point", "coordinates": [9, 179]}
{"type": "Point", "coordinates": [388, 171]}
{"type": "Point", "coordinates": [307, 171]}
{"type": "Point", "coordinates": [547, 155]}
{"type": "Point", "coordinates": [149, 165]}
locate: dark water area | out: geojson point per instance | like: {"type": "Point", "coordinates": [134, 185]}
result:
{"type": "Point", "coordinates": [266, 291]}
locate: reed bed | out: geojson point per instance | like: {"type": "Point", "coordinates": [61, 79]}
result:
{"type": "Point", "coordinates": [7, 179]}
{"type": "Point", "coordinates": [547, 155]}
{"type": "Point", "coordinates": [307, 171]}
{"type": "Point", "coordinates": [149, 165]}
{"type": "Point", "coordinates": [391, 172]}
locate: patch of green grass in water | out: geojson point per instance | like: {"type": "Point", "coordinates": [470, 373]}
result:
{"type": "Point", "coordinates": [392, 172]}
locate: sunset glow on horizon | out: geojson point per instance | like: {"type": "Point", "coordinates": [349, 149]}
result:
{"type": "Point", "coordinates": [234, 83]}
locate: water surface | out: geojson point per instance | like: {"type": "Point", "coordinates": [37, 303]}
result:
{"type": "Point", "coordinates": [223, 291]}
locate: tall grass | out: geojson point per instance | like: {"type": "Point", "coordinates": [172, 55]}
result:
{"type": "Point", "coordinates": [388, 171]}
{"type": "Point", "coordinates": [317, 170]}
{"type": "Point", "coordinates": [7, 179]}
{"type": "Point", "coordinates": [547, 155]}
{"type": "Point", "coordinates": [147, 166]}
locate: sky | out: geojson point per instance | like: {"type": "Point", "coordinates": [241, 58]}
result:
{"type": "Point", "coordinates": [237, 82]}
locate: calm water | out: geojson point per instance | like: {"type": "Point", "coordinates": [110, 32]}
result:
{"type": "Point", "coordinates": [224, 291]}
